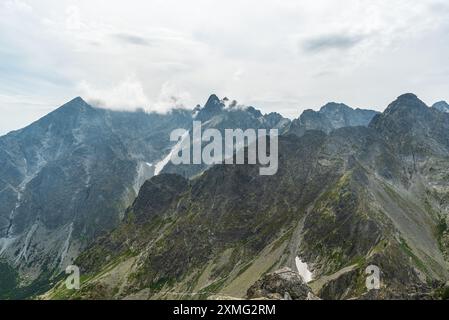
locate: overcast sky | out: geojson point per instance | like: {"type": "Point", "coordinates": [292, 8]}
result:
{"type": "Point", "coordinates": [283, 56]}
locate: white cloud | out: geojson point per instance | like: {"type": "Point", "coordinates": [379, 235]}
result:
{"type": "Point", "coordinates": [73, 20]}
{"type": "Point", "coordinates": [129, 94]}
{"type": "Point", "coordinates": [126, 95]}
{"type": "Point", "coordinates": [171, 97]}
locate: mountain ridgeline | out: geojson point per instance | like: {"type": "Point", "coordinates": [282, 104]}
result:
{"type": "Point", "coordinates": [330, 117]}
{"type": "Point", "coordinates": [355, 188]}
{"type": "Point", "coordinates": [344, 198]}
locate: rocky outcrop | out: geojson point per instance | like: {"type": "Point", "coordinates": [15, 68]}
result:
{"type": "Point", "coordinates": [283, 284]}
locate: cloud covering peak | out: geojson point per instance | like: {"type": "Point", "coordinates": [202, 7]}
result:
{"type": "Point", "coordinates": [129, 95]}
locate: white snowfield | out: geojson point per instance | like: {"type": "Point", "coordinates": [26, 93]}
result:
{"type": "Point", "coordinates": [303, 270]}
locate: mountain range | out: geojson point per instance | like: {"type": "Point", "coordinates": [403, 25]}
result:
{"type": "Point", "coordinates": [355, 188]}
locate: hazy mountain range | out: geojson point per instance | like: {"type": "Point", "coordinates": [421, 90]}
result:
{"type": "Point", "coordinates": [354, 188]}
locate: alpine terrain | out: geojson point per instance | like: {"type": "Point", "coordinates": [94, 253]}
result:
{"type": "Point", "coordinates": [354, 189]}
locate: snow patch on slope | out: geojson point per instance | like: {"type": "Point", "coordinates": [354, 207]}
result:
{"type": "Point", "coordinates": [303, 270]}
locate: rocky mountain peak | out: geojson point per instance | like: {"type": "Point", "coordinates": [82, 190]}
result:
{"type": "Point", "coordinates": [279, 285]}
{"type": "Point", "coordinates": [68, 116]}
{"type": "Point", "coordinates": [78, 100]}
{"type": "Point", "coordinates": [255, 112]}
{"type": "Point", "coordinates": [441, 106]}
{"type": "Point", "coordinates": [274, 117]}
{"type": "Point", "coordinates": [77, 103]}
{"type": "Point", "coordinates": [212, 107]}
{"type": "Point", "coordinates": [411, 126]}
{"type": "Point", "coordinates": [406, 102]}
{"type": "Point", "coordinates": [213, 103]}
{"type": "Point", "coordinates": [333, 107]}
{"type": "Point", "coordinates": [408, 96]}
{"type": "Point", "coordinates": [330, 117]}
